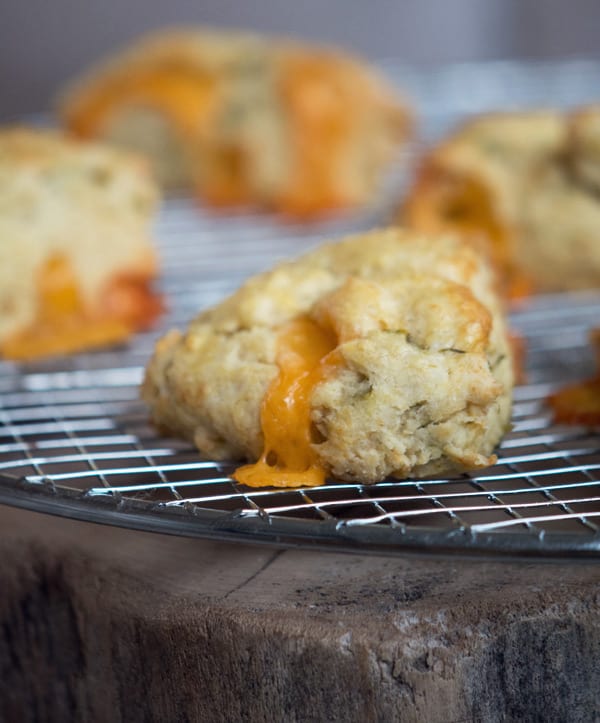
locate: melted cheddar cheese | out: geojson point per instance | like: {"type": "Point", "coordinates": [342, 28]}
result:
{"type": "Point", "coordinates": [305, 355]}
{"type": "Point", "coordinates": [190, 101]}
{"type": "Point", "coordinates": [225, 179]}
{"type": "Point", "coordinates": [577, 404]}
{"type": "Point", "coordinates": [187, 98]}
{"type": "Point", "coordinates": [321, 122]}
{"type": "Point", "coordinates": [64, 324]}
{"type": "Point", "coordinates": [442, 202]}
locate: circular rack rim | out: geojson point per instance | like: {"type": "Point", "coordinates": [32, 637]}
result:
{"type": "Point", "coordinates": [341, 536]}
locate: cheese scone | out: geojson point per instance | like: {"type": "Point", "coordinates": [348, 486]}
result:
{"type": "Point", "coordinates": [245, 119]}
{"type": "Point", "coordinates": [524, 186]}
{"type": "Point", "coordinates": [384, 354]}
{"type": "Point", "coordinates": [75, 254]}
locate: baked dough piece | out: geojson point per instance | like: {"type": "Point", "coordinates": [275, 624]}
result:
{"type": "Point", "coordinates": [245, 119]}
{"type": "Point", "coordinates": [524, 186]}
{"type": "Point", "coordinates": [75, 257]}
{"type": "Point", "coordinates": [383, 354]}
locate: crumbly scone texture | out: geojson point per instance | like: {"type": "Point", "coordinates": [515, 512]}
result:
{"type": "Point", "coordinates": [425, 382]}
{"type": "Point", "coordinates": [540, 171]}
{"type": "Point", "coordinates": [205, 103]}
{"type": "Point", "coordinates": [82, 202]}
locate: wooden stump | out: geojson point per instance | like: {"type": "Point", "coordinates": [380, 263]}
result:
{"type": "Point", "coordinates": [104, 624]}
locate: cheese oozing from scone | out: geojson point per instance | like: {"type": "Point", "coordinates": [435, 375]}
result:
{"type": "Point", "coordinates": [304, 355]}
{"type": "Point", "coordinates": [381, 355]}
{"type": "Point", "coordinates": [246, 119]}
{"type": "Point", "coordinates": [76, 260]}
{"type": "Point", "coordinates": [523, 187]}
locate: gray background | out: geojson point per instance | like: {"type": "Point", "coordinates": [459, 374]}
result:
{"type": "Point", "coordinates": [43, 43]}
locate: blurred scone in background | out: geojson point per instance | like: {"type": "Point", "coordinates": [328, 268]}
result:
{"type": "Point", "coordinates": [242, 118]}
{"type": "Point", "coordinates": [76, 252]}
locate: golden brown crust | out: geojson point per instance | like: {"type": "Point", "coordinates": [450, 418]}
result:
{"type": "Point", "coordinates": [264, 121]}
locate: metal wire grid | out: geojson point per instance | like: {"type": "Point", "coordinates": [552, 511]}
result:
{"type": "Point", "coordinates": [74, 438]}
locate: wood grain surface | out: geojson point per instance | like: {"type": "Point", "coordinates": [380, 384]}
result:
{"type": "Point", "coordinates": [104, 624]}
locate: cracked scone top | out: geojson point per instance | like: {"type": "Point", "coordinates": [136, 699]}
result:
{"type": "Point", "coordinates": [384, 354]}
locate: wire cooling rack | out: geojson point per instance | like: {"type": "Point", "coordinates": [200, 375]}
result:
{"type": "Point", "coordinates": [75, 439]}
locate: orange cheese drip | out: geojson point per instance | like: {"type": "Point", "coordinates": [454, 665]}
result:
{"type": "Point", "coordinates": [319, 110]}
{"type": "Point", "coordinates": [305, 355]}
{"type": "Point", "coordinates": [63, 324]}
{"type": "Point", "coordinates": [443, 202]}
{"type": "Point", "coordinates": [224, 180]}
{"type": "Point", "coordinates": [188, 99]}
{"type": "Point", "coordinates": [577, 403]}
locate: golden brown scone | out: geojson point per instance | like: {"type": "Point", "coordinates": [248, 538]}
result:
{"type": "Point", "coordinates": [524, 187]}
{"type": "Point", "coordinates": [75, 253]}
{"type": "Point", "coordinates": [382, 354]}
{"type": "Point", "coordinates": [245, 119]}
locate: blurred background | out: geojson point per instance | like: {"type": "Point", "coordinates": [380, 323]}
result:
{"type": "Point", "coordinates": [43, 44]}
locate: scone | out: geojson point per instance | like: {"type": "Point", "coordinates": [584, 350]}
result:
{"type": "Point", "coordinates": [245, 119]}
{"type": "Point", "coordinates": [75, 255]}
{"type": "Point", "coordinates": [384, 354]}
{"type": "Point", "coordinates": [524, 186]}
